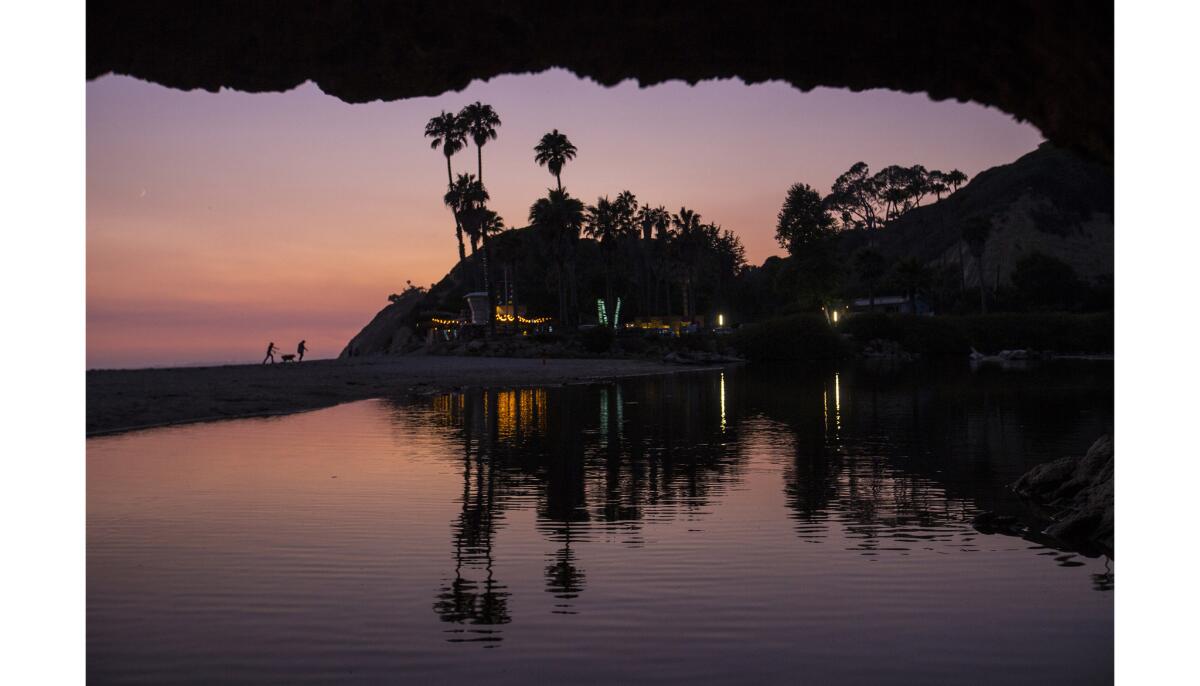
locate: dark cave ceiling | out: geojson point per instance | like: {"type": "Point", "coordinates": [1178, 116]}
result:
{"type": "Point", "coordinates": [1048, 62]}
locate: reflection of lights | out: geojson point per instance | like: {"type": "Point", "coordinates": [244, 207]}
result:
{"type": "Point", "coordinates": [825, 408]}
{"type": "Point", "coordinates": [722, 401]}
{"type": "Point", "coordinates": [837, 401]}
{"type": "Point", "coordinates": [604, 412]}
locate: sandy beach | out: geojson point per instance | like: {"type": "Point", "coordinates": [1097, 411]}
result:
{"type": "Point", "coordinates": [124, 400]}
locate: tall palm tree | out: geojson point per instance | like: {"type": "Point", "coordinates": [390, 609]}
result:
{"type": "Point", "coordinates": [664, 247]}
{"type": "Point", "coordinates": [604, 223]}
{"type": "Point", "coordinates": [446, 131]}
{"type": "Point", "coordinates": [558, 219]}
{"type": "Point", "coordinates": [480, 121]}
{"type": "Point", "coordinates": [467, 198]}
{"type": "Point", "coordinates": [688, 236]}
{"type": "Point", "coordinates": [552, 152]}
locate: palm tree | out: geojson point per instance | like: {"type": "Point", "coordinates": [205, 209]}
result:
{"type": "Point", "coordinates": [603, 223]}
{"type": "Point", "coordinates": [552, 152]}
{"type": "Point", "coordinates": [448, 133]}
{"type": "Point", "coordinates": [557, 219]}
{"type": "Point", "coordinates": [688, 237]}
{"type": "Point", "coordinates": [480, 121]}
{"type": "Point", "coordinates": [664, 242]}
{"type": "Point", "coordinates": [467, 198]}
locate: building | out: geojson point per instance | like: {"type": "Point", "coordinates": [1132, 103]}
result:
{"type": "Point", "coordinates": [900, 304]}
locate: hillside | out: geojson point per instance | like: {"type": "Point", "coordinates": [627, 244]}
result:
{"type": "Point", "coordinates": [1049, 201]}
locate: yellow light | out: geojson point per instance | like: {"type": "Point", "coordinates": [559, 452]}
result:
{"type": "Point", "coordinates": [835, 316]}
{"type": "Point", "coordinates": [720, 320]}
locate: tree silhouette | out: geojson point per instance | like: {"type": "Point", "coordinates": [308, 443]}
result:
{"type": "Point", "coordinates": [652, 221]}
{"type": "Point", "coordinates": [869, 266]}
{"type": "Point", "coordinates": [480, 121]}
{"type": "Point", "coordinates": [855, 198]}
{"type": "Point", "coordinates": [1045, 282]}
{"type": "Point", "coordinates": [553, 151]}
{"type": "Point", "coordinates": [467, 198]}
{"type": "Point", "coordinates": [558, 219]}
{"type": "Point", "coordinates": [913, 277]}
{"type": "Point", "coordinates": [688, 236]}
{"type": "Point", "coordinates": [803, 219]}
{"type": "Point", "coordinates": [604, 222]}
{"type": "Point", "coordinates": [447, 132]}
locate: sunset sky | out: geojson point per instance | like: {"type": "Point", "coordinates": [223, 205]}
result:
{"type": "Point", "coordinates": [219, 221]}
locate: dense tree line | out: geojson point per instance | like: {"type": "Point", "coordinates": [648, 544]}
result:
{"type": "Point", "coordinates": [654, 261]}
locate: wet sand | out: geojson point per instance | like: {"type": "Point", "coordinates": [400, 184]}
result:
{"type": "Point", "coordinates": [124, 400]}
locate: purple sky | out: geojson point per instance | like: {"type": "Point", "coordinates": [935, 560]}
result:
{"type": "Point", "coordinates": [219, 221]}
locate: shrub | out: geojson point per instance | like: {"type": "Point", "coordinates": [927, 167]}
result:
{"type": "Point", "coordinates": [800, 337]}
{"type": "Point", "coordinates": [921, 335]}
{"type": "Point", "coordinates": [597, 340]}
{"type": "Point", "coordinates": [1057, 331]}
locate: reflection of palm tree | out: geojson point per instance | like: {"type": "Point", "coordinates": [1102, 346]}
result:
{"type": "Point", "coordinates": [448, 133]}
{"type": "Point", "coordinates": [553, 151]}
{"type": "Point", "coordinates": [463, 600]}
{"type": "Point", "coordinates": [563, 579]}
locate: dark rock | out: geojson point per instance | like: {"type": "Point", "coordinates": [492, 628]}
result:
{"type": "Point", "coordinates": [1079, 492]}
{"type": "Point", "coordinates": [992, 523]}
{"type": "Point", "coordinates": [387, 333]}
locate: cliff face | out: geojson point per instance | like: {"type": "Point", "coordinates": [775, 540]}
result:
{"type": "Point", "coordinates": [1049, 201]}
{"type": "Point", "coordinates": [392, 328]}
{"type": "Point", "coordinates": [387, 333]}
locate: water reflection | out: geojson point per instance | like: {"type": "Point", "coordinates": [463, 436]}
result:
{"type": "Point", "coordinates": [883, 462]}
{"type": "Point", "coordinates": [623, 532]}
{"type": "Point", "coordinates": [596, 461]}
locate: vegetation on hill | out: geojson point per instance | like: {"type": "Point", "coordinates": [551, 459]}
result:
{"type": "Point", "coordinates": [1033, 236]}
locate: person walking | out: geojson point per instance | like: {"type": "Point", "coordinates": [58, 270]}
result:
{"type": "Point", "coordinates": [270, 353]}
{"type": "Point", "coordinates": [300, 350]}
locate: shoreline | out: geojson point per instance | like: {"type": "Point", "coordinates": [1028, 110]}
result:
{"type": "Point", "coordinates": [124, 400]}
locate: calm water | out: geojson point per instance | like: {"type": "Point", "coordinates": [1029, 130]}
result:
{"type": "Point", "coordinates": [750, 527]}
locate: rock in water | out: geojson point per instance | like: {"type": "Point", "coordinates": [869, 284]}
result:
{"type": "Point", "coordinates": [1079, 490]}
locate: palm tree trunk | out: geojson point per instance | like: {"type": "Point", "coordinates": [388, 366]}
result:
{"type": "Point", "coordinates": [479, 153]}
{"type": "Point", "coordinates": [462, 248]}
{"type": "Point", "coordinates": [487, 285]}
{"type": "Point", "coordinates": [558, 179]}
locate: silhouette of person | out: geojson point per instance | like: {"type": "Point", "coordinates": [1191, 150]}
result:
{"type": "Point", "coordinates": [300, 350]}
{"type": "Point", "coordinates": [270, 353]}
